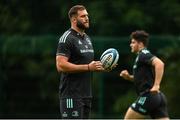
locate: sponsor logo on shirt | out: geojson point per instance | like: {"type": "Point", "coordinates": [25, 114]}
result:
{"type": "Point", "coordinates": [87, 50]}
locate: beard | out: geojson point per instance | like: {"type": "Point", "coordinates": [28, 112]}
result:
{"type": "Point", "coordinates": [80, 25]}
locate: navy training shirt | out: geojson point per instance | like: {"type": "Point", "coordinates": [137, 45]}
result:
{"type": "Point", "coordinates": [79, 50]}
{"type": "Point", "coordinates": [143, 71]}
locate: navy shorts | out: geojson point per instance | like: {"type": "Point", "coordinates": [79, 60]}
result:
{"type": "Point", "coordinates": [75, 108]}
{"type": "Point", "coordinates": [153, 104]}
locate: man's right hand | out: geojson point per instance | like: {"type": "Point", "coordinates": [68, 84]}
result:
{"type": "Point", "coordinates": [125, 74]}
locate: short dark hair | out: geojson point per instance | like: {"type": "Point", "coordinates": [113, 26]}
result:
{"type": "Point", "coordinates": [141, 36]}
{"type": "Point", "coordinates": [73, 11]}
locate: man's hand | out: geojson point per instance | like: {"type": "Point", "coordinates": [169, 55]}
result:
{"type": "Point", "coordinates": [125, 74]}
{"type": "Point", "coordinates": [95, 66]}
{"type": "Point", "coordinates": [155, 89]}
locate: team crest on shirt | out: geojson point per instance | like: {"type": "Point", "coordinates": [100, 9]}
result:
{"type": "Point", "coordinates": [79, 42]}
{"type": "Point", "coordinates": [88, 41]}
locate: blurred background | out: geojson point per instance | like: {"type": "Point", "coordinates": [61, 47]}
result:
{"type": "Point", "coordinates": [29, 33]}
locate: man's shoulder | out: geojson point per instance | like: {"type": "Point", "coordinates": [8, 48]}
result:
{"type": "Point", "coordinates": [66, 36]}
{"type": "Point", "coordinates": [145, 51]}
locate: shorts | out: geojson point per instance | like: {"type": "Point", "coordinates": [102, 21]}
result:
{"type": "Point", "coordinates": [75, 108]}
{"type": "Point", "coordinates": [153, 104]}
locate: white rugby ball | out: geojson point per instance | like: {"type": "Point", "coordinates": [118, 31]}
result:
{"type": "Point", "coordinates": [109, 58]}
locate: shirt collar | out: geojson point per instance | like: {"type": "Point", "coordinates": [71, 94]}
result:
{"type": "Point", "coordinates": [77, 33]}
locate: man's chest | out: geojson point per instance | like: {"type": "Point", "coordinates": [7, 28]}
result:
{"type": "Point", "coordinates": [82, 46]}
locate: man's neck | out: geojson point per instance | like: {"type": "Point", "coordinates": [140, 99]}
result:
{"type": "Point", "coordinates": [141, 48]}
{"type": "Point", "coordinates": [80, 31]}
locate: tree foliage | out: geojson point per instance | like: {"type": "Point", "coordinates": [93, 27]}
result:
{"type": "Point", "coordinates": [171, 79]}
{"type": "Point", "coordinates": [108, 18]}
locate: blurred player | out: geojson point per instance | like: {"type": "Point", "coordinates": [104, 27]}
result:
{"type": "Point", "coordinates": [147, 75]}
{"type": "Point", "coordinates": [74, 60]}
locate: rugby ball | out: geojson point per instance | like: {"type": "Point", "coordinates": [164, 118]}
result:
{"type": "Point", "coordinates": [109, 58]}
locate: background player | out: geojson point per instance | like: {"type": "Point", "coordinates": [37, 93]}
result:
{"type": "Point", "coordinates": [147, 75]}
{"type": "Point", "coordinates": [74, 60]}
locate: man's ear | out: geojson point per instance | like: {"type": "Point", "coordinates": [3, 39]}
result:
{"type": "Point", "coordinates": [141, 44]}
{"type": "Point", "coordinates": [73, 19]}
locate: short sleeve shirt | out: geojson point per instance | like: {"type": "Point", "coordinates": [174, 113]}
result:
{"type": "Point", "coordinates": [143, 71]}
{"type": "Point", "coordinates": [79, 50]}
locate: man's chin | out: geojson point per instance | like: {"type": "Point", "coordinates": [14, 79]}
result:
{"type": "Point", "coordinates": [86, 26]}
{"type": "Point", "coordinates": [83, 27]}
{"type": "Point", "coordinates": [132, 51]}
